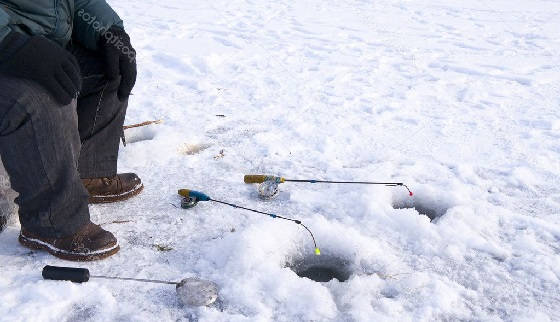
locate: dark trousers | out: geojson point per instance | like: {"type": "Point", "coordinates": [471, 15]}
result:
{"type": "Point", "coordinates": [46, 148]}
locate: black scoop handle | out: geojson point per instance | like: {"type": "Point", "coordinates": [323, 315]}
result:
{"type": "Point", "coordinates": [74, 274]}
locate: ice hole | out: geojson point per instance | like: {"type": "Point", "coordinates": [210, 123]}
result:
{"type": "Point", "coordinates": [425, 205]}
{"type": "Point", "coordinates": [322, 268]}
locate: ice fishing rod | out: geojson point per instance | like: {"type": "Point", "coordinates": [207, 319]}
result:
{"type": "Point", "coordinates": [268, 187]}
{"type": "Point", "coordinates": [192, 197]}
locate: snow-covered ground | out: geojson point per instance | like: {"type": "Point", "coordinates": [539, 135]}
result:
{"type": "Point", "coordinates": [460, 100]}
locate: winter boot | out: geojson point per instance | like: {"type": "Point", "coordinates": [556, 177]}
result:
{"type": "Point", "coordinates": [89, 243]}
{"type": "Point", "coordinates": [120, 187]}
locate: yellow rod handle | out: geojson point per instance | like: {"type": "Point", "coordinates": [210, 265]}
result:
{"type": "Point", "coordinates": [254, 178]}
{"type": "Point", "coordinates": [260, 178]}
{"type": "Point", "coordinates": [184, 193]}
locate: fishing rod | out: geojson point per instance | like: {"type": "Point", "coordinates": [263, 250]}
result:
{"type": "Point", "coordinates": [192, 197]}
{"type": "Point", "coordinates": [268, 184]}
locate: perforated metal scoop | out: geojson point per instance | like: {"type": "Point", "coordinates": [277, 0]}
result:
{"type": "Point", "coordinates": [196, 292]}
{"type": "Point", "coordinates": [191, 291]}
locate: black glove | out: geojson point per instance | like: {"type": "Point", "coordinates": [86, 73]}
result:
{"type": "Point", "coordinates": [43, 61]}
{"type": "Point", "coordinates": [120, 59]}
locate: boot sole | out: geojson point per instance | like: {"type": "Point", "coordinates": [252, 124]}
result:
{"type": "Point", "coordinates": [76, 257]}
{"type": "Point", "coordinates": [115, 198]}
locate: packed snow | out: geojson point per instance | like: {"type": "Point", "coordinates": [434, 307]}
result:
{"type": "Point", "coordinates": [459, 100]}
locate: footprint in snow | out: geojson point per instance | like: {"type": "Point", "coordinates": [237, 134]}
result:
{"type": "Point", "coordinates": [192, 149]}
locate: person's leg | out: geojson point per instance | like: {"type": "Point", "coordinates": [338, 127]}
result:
{"type": "Point", "coordinates": [100, 120]}
{"type": "Point", "coordinates": [39, 146]}
{"type": "Point", "coordinates": [8, 209]}
{"type": "Point", "coordinates": [100, 117]}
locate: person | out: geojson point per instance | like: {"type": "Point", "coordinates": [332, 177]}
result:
{"type": "Point", "coordinates": [67, 69]}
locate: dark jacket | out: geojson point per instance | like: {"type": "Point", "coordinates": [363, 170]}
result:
{"type": "Point", "coordinates": [59, 20]}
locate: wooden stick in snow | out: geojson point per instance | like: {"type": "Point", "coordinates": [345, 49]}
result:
{"type": "Point", "coordinates": [126, 127]}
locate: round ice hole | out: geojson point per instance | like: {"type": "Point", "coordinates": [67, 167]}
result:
{"type": "Point", "coordinates": [428, 207]}
{"type": "Point", "coordinates": [323, 274]}
{"type": "Point", "coordinates": [322, 268]}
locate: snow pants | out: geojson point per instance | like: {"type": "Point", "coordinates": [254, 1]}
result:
{"type": "Point", "coordinates": [47, 148]}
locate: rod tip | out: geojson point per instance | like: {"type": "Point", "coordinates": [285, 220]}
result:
{"type": "Point", "coordinates": [411, 194]}
{"type": "Point", "coordinates": [317, 251]}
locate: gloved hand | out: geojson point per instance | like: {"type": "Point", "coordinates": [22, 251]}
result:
{"type": "Point", "coordinates": [120, 59]}
{"type": "Point", "coordinates": [43, 61]}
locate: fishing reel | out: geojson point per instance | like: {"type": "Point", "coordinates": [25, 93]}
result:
{"type": "Point", "coordinates": [190, 198]}
{"type": "Point", "coordinates": [268, 186]}
{"type": "Point", "coordinates": [268, 189]}
{"type": "Point", "coordinates": [188, 202]}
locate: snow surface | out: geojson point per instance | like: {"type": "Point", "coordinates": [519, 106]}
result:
{"type": "Point", "coordinates": [457, 99]}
